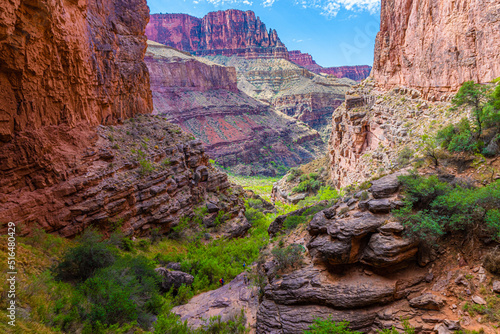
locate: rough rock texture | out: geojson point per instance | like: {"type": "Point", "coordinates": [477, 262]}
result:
{"type": "Point", "coordinates": [174, 278]}
{"type": "Point", "coordinates": [237, 130]}
{"type": "Point", "coordinates": [372, 128]}
{"type": "Point", "coordinates": [62, 62]}
{"type": "Point", "coordinates": [356, 73]}
{"type": "Point", "coordinates": [143, 174]}
{"type": "Point", "coordinates": [230, 32]}
{"type": "Point", "coordinates": [435, 46]}
{"type": "Point", "coordinates": [290, 89]}
{"type": "Point", "coordinates": [227, 302]}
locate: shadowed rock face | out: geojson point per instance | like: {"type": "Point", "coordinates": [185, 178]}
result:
{"type": "Point", "coordinates": [228, 33]}
{"type": "Point", "coordinates": [62, 62]}
{"type": "Point", "coordinates": [141, 175]}
{"type": "Point", "coordinates": [435, 46]}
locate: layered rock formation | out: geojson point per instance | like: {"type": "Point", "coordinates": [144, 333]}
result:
{"type": "Point", "coordinates": [290, 89]}
{"type": "Point", "coordinates": [229, 32]}
{"type": "Point", "coordinates": [138, 176]}
{"type": "Point", "coordinates": [373, 127]}
{"type": "Point", "coordinates": [64, 62]}
{"type": "Point", "coordinates": [436, 46]}
{"type": "Point", "coordinates": [357, 73]}
{"type": "Point", "coordinates": [237, 130]}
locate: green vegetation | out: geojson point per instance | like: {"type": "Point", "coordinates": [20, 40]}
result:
{"type": "Point", "coordinates": [404, 157]}
{"type": "Point", "coordinates": [328, 326]}
{"type": "Point", "coordinates": [261, 185]}
{"type": "Point", "coordinates": [308, 183]}
{"type": "Point", "coordinates": [288, 257]}
{"type": "Point", "coordinates": [465, 136]}
{"type": "Point", "coordinates": [433, 208]}
{"type": "Point", "coordinates": [293, 174]}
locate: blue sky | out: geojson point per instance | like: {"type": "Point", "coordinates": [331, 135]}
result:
{"type": "Point", "coordinates": [334, 32]}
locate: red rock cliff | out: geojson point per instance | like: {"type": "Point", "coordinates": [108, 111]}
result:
{"type": "Point", "coordinates": [357, 73]}
{"type": "Point", "coordinates": [69, 61]}
{"type": "Point", "coordinates": [435, 46]}
{"type": "Point", "coordinates": [230, 32]}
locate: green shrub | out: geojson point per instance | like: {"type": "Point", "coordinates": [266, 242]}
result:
{"type": "Point", "coordinates": [146, 167]}
{"type": "Point", "coordinates": [290, 256]}
{"type": "Point", "coordinates": [291, 222]}
{"type": "Point", "coordinates": [83, 260]}
{"type": "Point", "coordinates": [405, 155]}
{"type": "Point", "coordinates": [293, 174]}
{"type": "Point", "coordinates": [328, 326]}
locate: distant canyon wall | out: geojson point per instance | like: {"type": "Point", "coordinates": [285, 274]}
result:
{"type": "Point", "coordinates": [435, 46]}
{"type": "Point", "coordinates": [357, 73]}
{"type": "Point", "coordinates": [227, 33]}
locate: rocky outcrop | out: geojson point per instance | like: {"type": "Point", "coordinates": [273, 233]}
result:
{"type": "Point", "coordinates": [174, 278]}
{"type": "Point", "coordinates": [138, 176]}
{"type": "Point", "coordinates": [229, 33]}
{"type": "Point", "coordinates": [238, 131]}
{"type": "Point", "coordinates": [356, 73]}
{"type": "Point", "coordinates": [63, 62]}
{"type": "Point", "coordinates": [436, 46]}
{"type": "Point", "coordinates": [227, 302]}
{"type": "Point", "coordinates": [373, 128]}
{"type": "Point", "coordinates": [290, 89]}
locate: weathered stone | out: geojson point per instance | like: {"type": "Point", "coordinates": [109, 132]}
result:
{"type": "Point", "coordinates": [478, 300]}
{"type": "Point", "coordinates": [388, 250]}
{"type": "Point", "coordinates": [237, 227]}
{"type": "Point", "coordinates": [442, 329]}
{"type": "Point", "coordinates": [173, 266]}
{"type": "Point", "coordinates": [496, 286]}
{"type": "Point", "coordinates": [174, 278]}
{"type": "Point", "coordinates": [427, 301]}
{"type": "Point", "coordinates": [379, 205]}
{"type": "Point", "coordinates": [277, 223]}
{"type": "Point", "coordinates": [385, 186]}
{"type": "Point", "coordinates": [211, 207]}
{"type": "Point", "coordinates": [391, 228]}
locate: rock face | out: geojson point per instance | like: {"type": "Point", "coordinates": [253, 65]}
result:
{"type": "Point", "coordinates": [290, 89]}
{"type": "Point", "coordinates": [141, 175]}
{"type": "Point", "coordinates": [63, 62]}
{"type": "Point", "coordinates": [227, 302]}
{"type": "Point", "coordinates": [230, 32]}
{"type": "Point", "coordinates": [371, 130]}
{"type": "Point", "coordinates": [356, 73]}
{"type": "Point", "coordinates": [237, 130]}
{"type": "Point", "coordinates": [436, 46]}
{"type": "Point", "coordinates": [174, 278]}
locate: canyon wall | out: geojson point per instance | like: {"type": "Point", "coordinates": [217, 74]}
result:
{"type": "Point", "coordinates": [230, 32]}
{"type": "Point", "coordinates": [65, 62]}
{"type": "Point", "coordinates": [435, 46]}
{"type": "Point", "coordinates": [238, 131]}
{"type": "Point", "coordinates": [356, 73]}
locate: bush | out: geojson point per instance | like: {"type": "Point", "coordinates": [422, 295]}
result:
{"type": "Point", "coordinates": [291, 222]}
{"type": "Point", "coordinates": [328, 326]}
{"type": "Point", "coordinates": [125, 292]}
{"type": "Point", "coordinates": [293, 174]}
{"type": "Point", "coordinates": [405, 156]}
{"type": "Point", "coordinates": [433, 208]}
{"type": "Point", "coordinates": [290, 256]}
{"type": "Point", "coordinates": [83, 260]}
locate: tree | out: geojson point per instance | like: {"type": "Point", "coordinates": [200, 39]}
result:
{"type": "Point", "coordinates": [474, 96]}
{"type": "Point", "coordinates": [429, 146]}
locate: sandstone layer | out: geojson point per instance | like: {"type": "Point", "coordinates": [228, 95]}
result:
{"type": "Point", "coordinates": [238, 131]}
{"type": "Point", "coordinates": [229, 32]}
{"type": "Point", "coordinates": [63, 62]}
{"type": "Point", "coordinates": [290, 89]}
{"type": "Point", "coordinates": [435, 46]}
{"type": "Point", "coordinates": [141, 175]}
{"type": "Point", "coordinates": [356, 73]}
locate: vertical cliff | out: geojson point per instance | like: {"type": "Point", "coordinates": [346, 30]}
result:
{"type": "Point", "coordinates": [69, 61]}
{"type": "Point", "coordinates": [230, 32]}
{"type": "Point", "coordinates": [435, 46]}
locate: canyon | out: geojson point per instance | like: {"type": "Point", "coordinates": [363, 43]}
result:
{"type": "Point", "coordinates": [238, 131]}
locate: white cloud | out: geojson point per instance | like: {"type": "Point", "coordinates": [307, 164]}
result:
{"type": "Point", "coordinates": [297, 40]}
{"type": "Point", "coordinates": [268, 3]}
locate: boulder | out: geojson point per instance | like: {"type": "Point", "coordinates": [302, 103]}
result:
{"type": "Point", "coordinates": [237, 227]}
{"type": "Point", "coordinates": [385, 186]}
{"type": "Point", "coordinates": [173, 278]}
{"type": "Point", "coordinates": [391, 228]}
{"type": "Point", "coordinates": [173, 266]}
{"type": "Point", "coordinates": [496, 286]}
{"type": "Point", "coordinates": [379, 205]}
{"type": "Point", "coordinates": [478, 300]}
{"type": "Point", "coordinates": [427, 301]}
{"type": "Point", "coordinates": [211, 207]}
{"type": "Point", "coordinates": [388, 250]}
